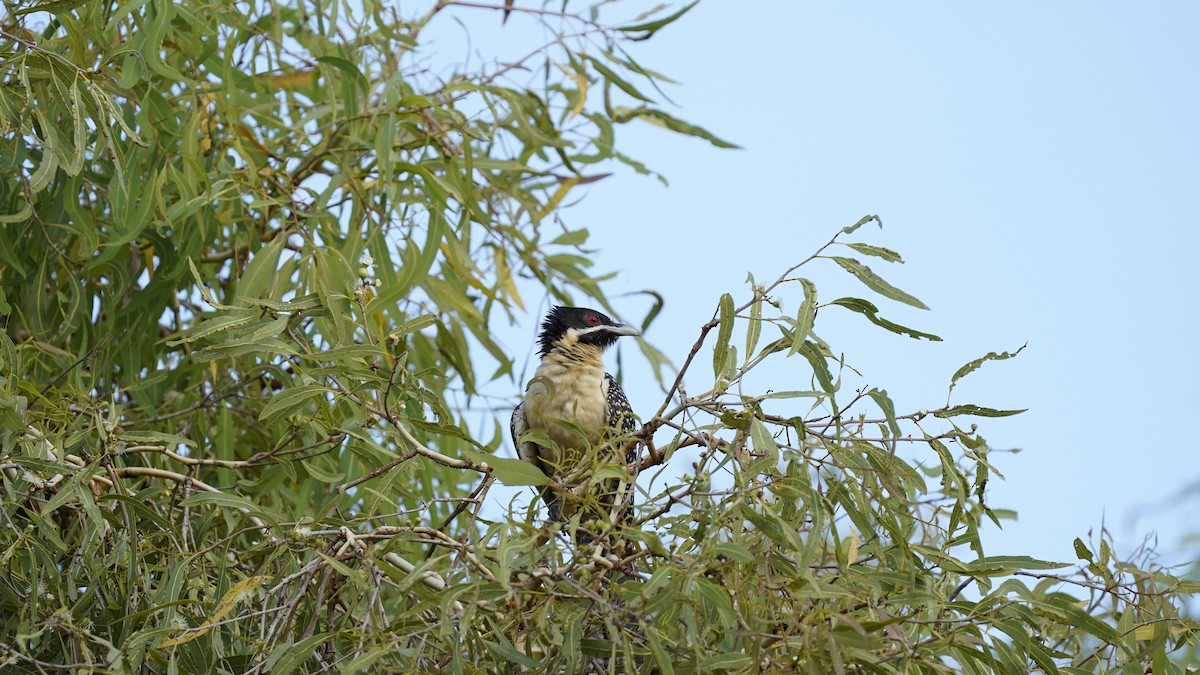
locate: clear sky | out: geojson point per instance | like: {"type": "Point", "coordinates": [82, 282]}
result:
{"type": "Point", "coordinates": [1036, 163]}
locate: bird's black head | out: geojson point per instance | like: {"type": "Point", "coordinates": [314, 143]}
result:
{"type": "Point", "coordinates": [580, 324]}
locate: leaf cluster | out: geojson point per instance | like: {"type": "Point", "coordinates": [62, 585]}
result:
{"type": "Point", "coordinates": [253, 256]}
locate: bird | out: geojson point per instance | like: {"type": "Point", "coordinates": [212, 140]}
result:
{"type": "Point", "coordinates": [580, 409]}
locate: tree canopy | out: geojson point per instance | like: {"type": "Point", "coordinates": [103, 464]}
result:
{"type": "Point", "coordinates": [251, 260]}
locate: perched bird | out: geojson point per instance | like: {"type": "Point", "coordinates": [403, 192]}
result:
{"type": "Point", "coordinates": [578, 407]}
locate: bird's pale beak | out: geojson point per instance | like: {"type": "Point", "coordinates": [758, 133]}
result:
{"type": "Point", "coordinates": [622, 329]}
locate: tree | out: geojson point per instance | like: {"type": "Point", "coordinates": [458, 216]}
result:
{"type": "Point", "coordinates": [252, 255]}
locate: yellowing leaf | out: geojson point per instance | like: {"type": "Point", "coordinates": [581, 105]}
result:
{"type": "Point", "coordinates": [504, 278]}
{"type": "Point", "coordinates": [227, 604]}
{"type": "Point", "coordinates": [581, 82]}
{"type": "Point", "coordinates": [563, 188]}
{"type": "Point", "coordinates": [852, 544]}
{"type": "Point", "coordinates": [297, 79]}
{"type": "Point", "coordinates": [1144, 632]}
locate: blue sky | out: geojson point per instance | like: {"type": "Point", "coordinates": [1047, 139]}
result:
{"type": "Point", "coordinates": [1036, 165]}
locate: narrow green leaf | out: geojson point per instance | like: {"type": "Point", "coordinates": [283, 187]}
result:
{"type": "Point", "coordinates": [265, 329]}
{"type": "Point", "coordinates": [216, 325]}
{"type": "Point", "coordinates": [365, 662]}
{"type": "Point", "coordinates": [220, 499]}
{"type": "Point", "coordinates": [668, 121]}
{"type": "Point", "coordinates": [288, 400]}
{"type": "Point", "coordinates": [649, 28]}
{"type": "Point", "coordinates": [881, 398]}
{"type": "Point", "coordinates": [78, 143]}
{"type": "Point", "coordinates": [415, 324]}
{"type": "Point", "coordinates": [347, 353]}
{"type": "Point", "coordinates": [731, 364]}
{"type": "Point", "coordinates": [978, 411]}
{"type": "Point", "coordinates": [652, 314]}
{"type": "Point", "coordinates": [791, 393]}
{"type": "Point", "coordinates": [820, 367]}
{"type": "Point", "coordinates": [942, 559]}
{"type": "Point", "coordinates": [303, 303]}
{"type": "Point", "coordinates": [764, 443]}
{"type": "Point", "coordinates": [972, 366]}
{"type": "Point", "coordinates": [571, 647]}
{"type": "Point", "coordinates": [21, 215]}
{"type": "Point", "coordinates": [572, 238]}
{"type": "Point", "coordinates": [202, 286]}
{"type": "Point", "coordinates": [870, 311]}
{"type": "Point", "coordinates": [54, 7]}
{"type": "Point", "coordinates": [652, 75]}
{"type": "Point", "coordinates": [856, 505]}
{"type": "Point", "coordinates": [718, 599]}
{"type": "Point", "coordinates": [261, 272]}
{"type": "Point", "coordinates": [805, 317]}
{"type": "Point", "coordinates": [72, 489]}
{"type": "Point", "coordinates": [512, 655]}
{"type": "Point", "coordinates": [156, 438]}
{"type": "Point", "coordinates": [1082, 550]}
{"type": "Point", "coordinates": [295, 656]}
{"type": "Point", "coordinates": [340, 567]}
{"type": "Point", "coordinates": [348, 69]}
{"type": "Point", "coordinates": [1045, 660]}
{"type": "Point", "coordinates": [662, 659]}
{"type": "Point", "coordinates": [849, 229]}
{"type": "Point", "coordinates": [950, 472]}
{"type": "Point", "coordinates": [612, 77]}
{"type": "Point", "coordinates": [775, 528]}
{"type": "Point", "coordinates": [754, 327]}
{"type": "Point", "coordinates": [724, 333]}
{"type": "Point", "coordinates": [877, 251]}
{"type": "Point", "coordinates": [876, 283]}
{"type": "Point", "coordinates": [893, 464]}
{"type": "Point", "coordinates": [319, 470]}
{"type": "Point", "coordinates": [45, 172]}
{"type": "Point", "coordinates": [240, 346]}
{"type": "Point", "coordinates": [511, 472]}
{"type": "Point", "coordinates": [728, 663]}
{"type": "Point", "coordinates": [1016, 562]}
{"type": "Point", "coordinates": [1076, 618]}
{"type": "Point", "coordinates": [733, 552]}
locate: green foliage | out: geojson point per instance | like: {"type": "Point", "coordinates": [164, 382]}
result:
{"type": "Point", "coordinates": [252, 255]}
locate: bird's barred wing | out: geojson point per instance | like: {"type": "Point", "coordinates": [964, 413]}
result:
{"type": "Point", "coordinates": [621, 417]}
{"type": "Point", "coordinates": [525, 450]}
{"type": "Point", "coordinates": [620, 413]}
{"type": "Point", "coordinates": [529, 452]}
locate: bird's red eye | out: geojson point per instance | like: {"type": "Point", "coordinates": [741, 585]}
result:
{"type": "Point", "coordinates": [592, 319]}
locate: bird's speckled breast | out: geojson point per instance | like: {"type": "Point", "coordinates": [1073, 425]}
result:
{"type": "Point", "coordinates": [577, 395]}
